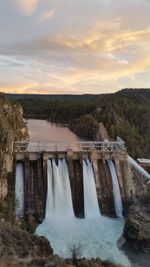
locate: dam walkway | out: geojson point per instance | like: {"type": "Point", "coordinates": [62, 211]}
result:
{"type": "Point", "coordinates": [63, 146]}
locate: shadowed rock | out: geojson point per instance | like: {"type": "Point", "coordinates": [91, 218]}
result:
{"type": "Point", "coordinates": [137, 225]}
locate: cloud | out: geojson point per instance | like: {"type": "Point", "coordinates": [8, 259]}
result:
{"type": "Point", "coordinates": [96, 43]}
{"type": "Point", "coordinates": [46, 15]}
{"type": "Point", "coordinates": [58, 63]}
{"type": "Point", "coordinates": [27, 7]}
{"type": "Point", "coordinates": [122, 61]}
{"type": "Point", "coordinates": [127, 38]}
{"type": "Point", "coordinates": [19, 88]}
{"type": "Point", "coordinates": [74, 46]}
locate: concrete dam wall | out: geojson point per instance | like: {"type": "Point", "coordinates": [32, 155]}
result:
{"type": "Point", "coordinates": [33, 180]}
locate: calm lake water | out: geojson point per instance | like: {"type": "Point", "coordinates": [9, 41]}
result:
{"type": "Point", "coordinates": [44, 131]}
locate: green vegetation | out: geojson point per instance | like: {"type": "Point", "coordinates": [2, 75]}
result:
{"type": "Point", "coordinates": [85, 126]}
{"type": "Point", "coordinates": [128, 116]}
{"type": "Point", "coordinates": [125, 114]}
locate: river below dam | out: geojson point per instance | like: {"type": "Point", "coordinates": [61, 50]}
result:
{"type": "Point", "coordinates": [95, 235]}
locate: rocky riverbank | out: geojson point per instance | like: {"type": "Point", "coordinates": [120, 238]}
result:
{"type": "Point", "coordinates": [53, 261]}
{"type": "Point", "coordinates": [18, 248]}
{"type": "Point", "coordinates": [137, 224]}
{"type": "Point", "coordinates": [15, 242]}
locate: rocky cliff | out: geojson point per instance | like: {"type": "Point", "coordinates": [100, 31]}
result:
{"type": "Point", "coordinates": [85, 127]}
{"type": "Point", "coordinates": [137, 221]}
{"type": "Point", "coordinates": [137, 224]}
{"type": "Point", "coordinates": [12, 127]}
{"type": "Point", "coordinates": [101, 133]}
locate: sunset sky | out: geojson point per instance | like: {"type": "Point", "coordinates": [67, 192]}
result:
{"type": "Point", "coordinates": [74, 46]}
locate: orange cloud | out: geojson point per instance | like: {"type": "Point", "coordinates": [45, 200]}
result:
{"type": "Point", "coordinates": [19, 88]}
{"type": "Point", "coordinates": [125, 39]}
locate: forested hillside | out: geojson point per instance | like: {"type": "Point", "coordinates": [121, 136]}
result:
{"type": "Point", "coordinates": [125, 114]}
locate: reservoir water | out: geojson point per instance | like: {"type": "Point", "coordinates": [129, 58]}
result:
{"type": "Point", "coordinates": [44, 131]}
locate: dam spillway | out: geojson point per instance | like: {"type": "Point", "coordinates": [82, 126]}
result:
{"type": "Point", "coordinates": [19, 190]}
{"type": "Point", "coordinates": [84, 163]}
{"type": "Point", "coordinates": [92, 236]}
{"type": "Point", "coordinates": [91, 207]}
{"type": "Point", "coordinates": [116, 190]}
{"type": "Point", "coordinates": [71, 193]}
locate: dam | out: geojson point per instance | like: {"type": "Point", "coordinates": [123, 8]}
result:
{"type": "Point", "coordinates": [106, 161]}
{"type": "Point", "coordinates": [78, 191]}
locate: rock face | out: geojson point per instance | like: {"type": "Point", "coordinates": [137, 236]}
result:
{"type": "Point", "coordinates": [15, 242]}
{"type": "Point", "coordinates": [101, 133]}
{"type": "Point", "coordinates": [141, 184]}
{"type": "Point", "coordinates": [12, 127]}
{"type": "Point", "coordinates": [85, 126]}
{"type": "Point", "coordinates": [54, 261]}
{"type": "Point", "coordinates": [137, 225]}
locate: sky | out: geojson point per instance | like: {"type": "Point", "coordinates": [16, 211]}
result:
{"type": "Point", "coordinates": [74, 46]}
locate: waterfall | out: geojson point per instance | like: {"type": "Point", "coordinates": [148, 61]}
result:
{"type": "Point", "coordinates": [50, 197]}
{"type": "Point", "coordinates": [67, 190]}
{"type": "Point", "coordinates": [116, 190]}
{"type": "Point", "coordinates": [133, 163]}
{"type": "Point", "coordinates": [91, 207]}
{"type": "Point", "coordinates": [59, 199]}
{"type": "Point", "coordinates": [91, 237]}
{"type": "Point", "coordinates": [19, 190]}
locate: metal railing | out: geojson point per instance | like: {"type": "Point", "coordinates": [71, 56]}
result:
{"type": "Point", "coordinates": [62, 146]}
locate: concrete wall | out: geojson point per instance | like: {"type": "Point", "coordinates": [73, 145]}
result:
{"type": "Point", "coordinates": [35, 166]}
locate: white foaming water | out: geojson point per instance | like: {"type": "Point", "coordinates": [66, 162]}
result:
{"type": "Point", "coordinates": [95, 236]}
{"type": "Point", "coordinates": [58, 191]}
{"type": "Point", "coordinates": [66, 190]}
{"type": "Point", "coordinates": [91, 207]}
{"type": "Point", "coordinates": [116, 189]}
{"type": "Point", "coordinates": [19, 190]}
{"type": "Point", "coordinates": [133, 163]}
{"type": "Point", "coordinates": [59, 200]}
{"type": "Point", "coordinates": [50, 196]}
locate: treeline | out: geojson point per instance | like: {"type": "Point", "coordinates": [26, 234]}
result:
{"type": "Point", "coordinates": [125, 114]}
{"type": "Point", "coordinates": [129, 118]}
